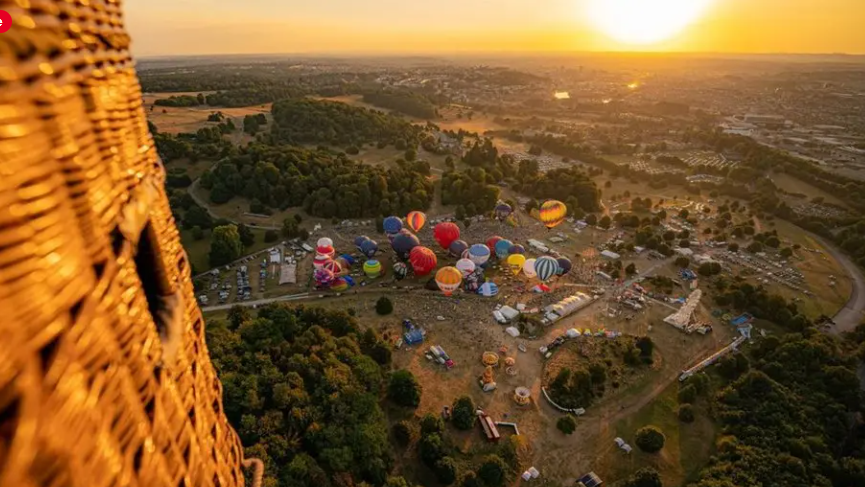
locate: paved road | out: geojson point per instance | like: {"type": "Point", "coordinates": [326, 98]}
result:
{"type": "Point", "coordinates": [853, 312]}
{"type": "Point", "coordinates": [260, 302]}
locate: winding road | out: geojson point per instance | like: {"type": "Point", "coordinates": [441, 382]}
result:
{"type": "Point", "coordinates": [853, 312]}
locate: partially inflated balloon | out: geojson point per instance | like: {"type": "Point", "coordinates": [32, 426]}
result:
{"type": "Point", "coordinates": [529, 269]}
{"type": "Point", "coordinates": [503, 210]}
{"type": "Point", "coordinates": [319, 260]}
{"type": "Point", "coordinates": [415, 220]}
{"type": "Point", "coordinates": [322, 277]}
{"type": "Point", "coordinates": [515, 263]}
{"type": "Point", "coordinates": [423, 260]}
{"type": "Point", "coordinates": [546, 267]}
{"type": "Point", "coordinates": [446, 233]}
{"type": "Point", "coordinates": [332, 266]}
{"type": "Point", "coordinates": [553, 213]}
{"type": "Point", "coordinates": [359, 240]}
{"type": "Point", "coordinates": [448, 279]}
{"type": "Point", "coordinates": [369, 248]}
{"type": "Point", "coordinates": [400, 270]}
{"type": "Point", "coordinates": [339, 285]}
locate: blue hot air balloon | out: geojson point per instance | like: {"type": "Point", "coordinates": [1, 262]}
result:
{"type": "Point", "coordinates": [369, 248]}
{"type": "Point", "coordinates": [392, 225]}
{"type": "Point", "coordinates": [403, 244]}
{"type": "Point", "coordinates": [479, 254]}
{"type": "Point", "coordinates": [502, 248]}
{"type": "Point", "coordinates": [359, 240]}
{"type": "Point", "coordinates": [517, 249]}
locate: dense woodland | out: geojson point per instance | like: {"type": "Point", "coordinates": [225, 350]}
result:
{"type": "Point", "coordinates": [323, 122]}
{"type": "Point", "coordinates": [405, 102]}
{"type": "Point", "coordinates": [302, 387]}
{"type": "Point", "coordinates": [324, 184]}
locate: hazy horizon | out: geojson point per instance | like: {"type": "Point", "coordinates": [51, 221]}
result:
{"type": "Point", "coordinates": [450, 27]}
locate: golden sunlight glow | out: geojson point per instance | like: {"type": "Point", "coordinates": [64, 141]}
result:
{"type": "Point", "coordinates": [644, 21]}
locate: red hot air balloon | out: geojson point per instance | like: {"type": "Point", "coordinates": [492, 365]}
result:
{"type": "Point", "coordinates": [423, 260]}
{"type": "Point", "coordinates": [446, 233]}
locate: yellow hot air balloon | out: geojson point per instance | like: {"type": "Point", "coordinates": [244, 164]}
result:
{"type": "Point", "coordinates": [515, 262]}
{"type": "Point", "coordinates": [449, 279]}
{"type": "Point", "coordinates": [553, 213]}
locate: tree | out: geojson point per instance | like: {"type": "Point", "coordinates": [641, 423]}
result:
{"type": "Point", "coordinates": [464, 415]}
{"type": "Point", "coordinates": [684, 214]}
{"type": "Point", "coordinates": [403, 389]}
{"type": "Point", "coordinates": [225, 245]}
{"type": "Point", "coordinates": [247, 238]}
{"type": "Point", "coordinates": [430, 424]}
{"type": "Point", "coordinates": [352, 150]}
{"type": "Point", "coordinates": [773, 242]}
{"type": "Point", "coordinates": [684, 243]}
{"type": "Point", "coordinates": [410, 155]}
{"type": "Point", "coordinates": [200, 99]}
{"type": "Point", "coordinates": [566, 424]}
{"type": "Point", "coordinates": [650, 439]}
{"type": "Point", "coordinates": [492, 471]}
{"type": "Point", "coordinates": [644, 477]}
{"type": "Point", "coordinates": [431, 449]}
{"type": "Point", "coordinates": [446, 470]}
{"type": "Point", "coordinates": [686, 413]}
{"type": "Point", "coordinates": [733, 247]}
{"type": "Point", "coordinates": [755, 247]}
{"type": "Point", "coordinates": [405, 432]}
{"type": "Point", "coordinates": [469, 479]}
{"type": "Point", "coordinates": [197, 233]}
{"type": "Point", "coordinates": [687, 394]}
{"type": "Point", "coordinates": [383, 306]}
{"type": "Point", "coordinates": [271, 236]}
{"type": "Point", "coordinates": [631, 269]}
{"type": "Point", "coordinates": [683, 262]}
{"type": "Point", "coordinates": [786, 252]}
{"type": "Point", "coordinates": [605, 222]}
{"type": "Point", "coordinates": [591, 219]}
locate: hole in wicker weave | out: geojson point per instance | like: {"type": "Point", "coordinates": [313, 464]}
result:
{"type": "Point", "coordinates": [117, 240]}
{"type": "Point", "coordinates": [150, 409]}
{"type": "Point", "coordinates": [137, 458]}
{"type": "Point", "coordinates": [48, 352]}
{"type": "Point", "coordinates": [192, 416]}
{"type": "Point", "coordinates": [9, 414]}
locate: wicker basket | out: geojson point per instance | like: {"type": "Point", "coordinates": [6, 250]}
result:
{"type": "Point", "coordinates": [105, 378]}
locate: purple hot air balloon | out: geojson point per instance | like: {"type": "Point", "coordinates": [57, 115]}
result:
{"type": "Point", "coordinates": [403, 244]}
{"type": "Point", "coordinates": [516, 249]}
{"type": "Point", "coordinates": [457, 247]}
{"type": "Point", "coordinates": [369, 248]}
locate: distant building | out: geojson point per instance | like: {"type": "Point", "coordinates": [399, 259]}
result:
{"type": "Point", "coordinates": [684, 252]}
{"type": "Point", "coordinates": [608, 254]}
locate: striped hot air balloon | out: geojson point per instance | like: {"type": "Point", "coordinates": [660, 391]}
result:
{"type": "Point", "coordinates": [339, 285]}
{"type": "Point", "coordinates": [479, 254]}
{"type": "Point", "coordinates": [326, 250]}
{"type": "Point", "coordinates": [319, 260]}
{"type": "Point", "coordinates": [546, 267]}
{"type": "Point", "coordinates": [372, 268]}
{"type": "Point", "coordinates": [446, 233]}
{"type": "Point", "coordinates": [488, 289]}
{"type": "Point", "coordinates": [415, 220]}
{"type": "Point", "coordinates": [448, 279]}
{"type": "Point", "coordinates": [515, 263]}
{"type": "Point", "coordinates": [466, 266]}
{"type": "Point", "coordinates": [553, 213]}
{"type": "Point", "coordinates": [423, 260]}
{"type": "Point", "coordinates": [529, 268]}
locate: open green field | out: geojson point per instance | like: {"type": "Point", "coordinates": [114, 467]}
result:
{"type": "Point", "coordinates": [198, 250]}
{"type": "Point", "coordinates": [794, 185]}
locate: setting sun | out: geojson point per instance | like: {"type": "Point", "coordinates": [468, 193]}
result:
{"type": "Point", "coordinates": [644, 21]}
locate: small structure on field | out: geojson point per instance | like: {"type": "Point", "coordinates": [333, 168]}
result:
{"type": "Point", "coordinates": [522, 396]}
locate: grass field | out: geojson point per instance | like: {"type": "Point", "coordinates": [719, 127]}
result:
{"type": "Point", "coordinates": [198, 250]}
{"type": "Point", "coordinates": [794, 185]}
{"type": "Point", "coordinates": [189, 119]}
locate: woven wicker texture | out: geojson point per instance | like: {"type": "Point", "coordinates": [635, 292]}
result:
{"type": "Point", "coordinates": [105, 379]}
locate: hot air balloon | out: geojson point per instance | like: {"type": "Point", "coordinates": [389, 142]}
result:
{"type": "Point", "coordinates": [415, 220]}
{"type": "Point", "coordinates": [479, 254]}
{"type": "Point", "coordinates": [515, 262]}
{"type": "Point", "coordinates": [466, 266]}
{"type": "Point", "coordinates": [516, 249]}
{"type": "Point", "coordinates": [491, 243]}
{"type": "Point", "coordinates": [446, 233]}
{"type": "Point", "coordinates": [564, 265]}
{"type": "Point", "coordinates": [502, 247]}
{"type": "Point", "coordinates": [324, 242]}
{"type": "Point", "coordinates": [319, 260]}
{"type": "Point", "coordinates": [503, 210]}
{"type": "Point", "coordinates": [529, 269]}
{"type": "Point", "coordinates": [359, 240]}
{"type": "Point", "coordinates": [448, 279]}
{"type": "Point", "coordinates": [546, 267]}
{"type": "Point", "coordinates": [488, 289]}
{"type": "Point", "coordinates": [349, 260]}
{"type": "Point", "coordinates": [326, 250]}
{"type": "Point", "coordinates": [369, 248]}
{"type": "Point", "coordinates": [400, 270]}
{"type": "Point", "coordinates": [392, 225]}
{"type": "Point", "coordinates": [372, 268]}
{"type": "Point", "coordinates": [340, 284]}
{"type": "Point", "coordinates": [403, 244]}
{"type": "Point", "coordinates": [553, 213]}
{"type": "Point", "coordinates": [457, 247]}
{"type": "Point", "coordinates": [332, 266]}
{"type": "Point", "coordinates": [423, 260]}
{"type": "Point", "coordinates": [323, 277]}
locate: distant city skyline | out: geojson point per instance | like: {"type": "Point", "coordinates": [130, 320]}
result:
{"type": "Point", "coordinates": [190, 27]}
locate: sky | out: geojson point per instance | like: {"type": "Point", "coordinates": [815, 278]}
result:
{"type": "Point", "coordinates": [188, 27]}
